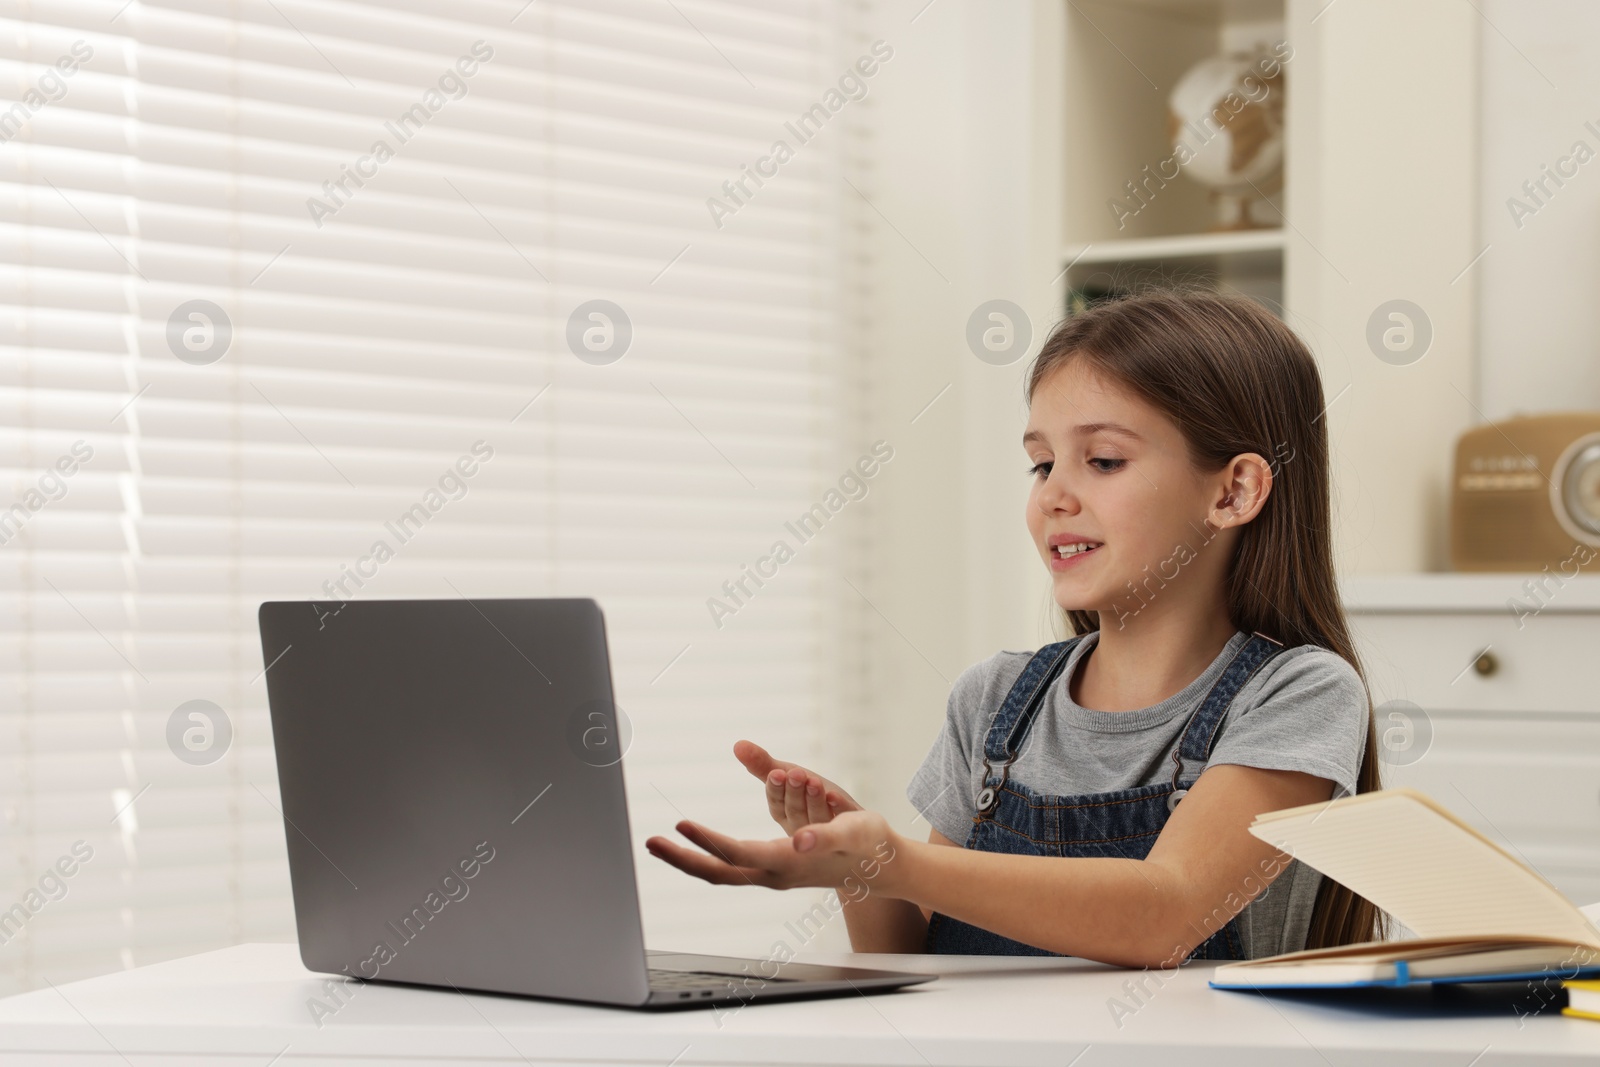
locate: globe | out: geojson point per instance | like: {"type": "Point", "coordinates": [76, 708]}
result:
{"type": "Point", "coordinates": [1225, 121]}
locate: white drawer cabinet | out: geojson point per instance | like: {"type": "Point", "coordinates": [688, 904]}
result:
{"type": "Point", "coordinates": [1505, 727]}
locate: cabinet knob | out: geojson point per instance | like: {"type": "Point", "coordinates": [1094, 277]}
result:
{"type": "Point", "coordinates": [1486, 664]}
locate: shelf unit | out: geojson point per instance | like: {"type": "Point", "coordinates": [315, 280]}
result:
{"type": "Point", "coordinates": [1127, 57]}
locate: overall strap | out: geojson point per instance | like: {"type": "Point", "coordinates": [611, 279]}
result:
{"type": "Point", "coordinates": [1017, 710]}
{"type": "Point", "coordinates": [1016, 714]}
{"type": "Point", "coordinates": [1201, 731]}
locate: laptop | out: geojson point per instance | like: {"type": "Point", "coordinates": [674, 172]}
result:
{"type": "Point", "coordinates": [455, 813]}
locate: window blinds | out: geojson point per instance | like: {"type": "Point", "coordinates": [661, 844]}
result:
{"type": "Point", "coordinates": [277, 274]}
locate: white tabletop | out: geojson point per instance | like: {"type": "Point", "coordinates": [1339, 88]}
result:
{"type": "Point", "coordinates": [248, 1004]}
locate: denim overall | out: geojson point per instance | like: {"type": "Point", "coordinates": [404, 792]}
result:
{"type": "Point", "coordinates": [1012, 818]}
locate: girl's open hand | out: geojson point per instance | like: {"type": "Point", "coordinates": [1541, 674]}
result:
{"type": "Point", "coordinates": [796, 797]}
{"type": "Point", "coordinates": [857, 844]}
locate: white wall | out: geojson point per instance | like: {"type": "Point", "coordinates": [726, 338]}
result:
{"type": "Point", "coordinates": [967, 173]}
{"type": "Point", "coordinates": [1539, 318]}
{"type": "Point", "coordinates": [1382, 205]}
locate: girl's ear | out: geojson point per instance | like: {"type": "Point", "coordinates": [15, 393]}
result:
{"type": "Point", "coordinates": [1246, 485]}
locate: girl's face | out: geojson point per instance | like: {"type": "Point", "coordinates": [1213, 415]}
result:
{"type": "Point", "coordinates": [1111, 470]}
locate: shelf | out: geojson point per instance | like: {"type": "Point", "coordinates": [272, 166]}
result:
{"type": "Point", "coordinates": [1242, 261]}
{"type": "Point", "coordinates": [1212, 246]}
{"type": "Point", "coordinates": [1453, 592]}
{"type": "Point", "coordinates": [1211, 10]}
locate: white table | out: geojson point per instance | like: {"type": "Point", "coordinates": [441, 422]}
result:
{"type": "Point", "coordinates": [248, 1004]}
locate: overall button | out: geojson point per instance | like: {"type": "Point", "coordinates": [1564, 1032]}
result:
{"type": "Point", "coordinates": [1173, 798]}
{"type": "Point", "coordinates": [986, 799]}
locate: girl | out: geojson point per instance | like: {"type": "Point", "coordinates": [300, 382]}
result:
{"type": "Point", "coordinates": [1092, 798]}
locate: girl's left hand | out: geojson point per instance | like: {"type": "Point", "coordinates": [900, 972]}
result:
{"type": "Point", "coordinates": [821, 854]}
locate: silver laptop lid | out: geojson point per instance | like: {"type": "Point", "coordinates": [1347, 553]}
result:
{"type": "Point", "coordinates": [453, 795]}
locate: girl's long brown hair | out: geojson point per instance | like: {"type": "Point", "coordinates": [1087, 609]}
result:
{"type": "Point", "coordinates": [1234, 378]}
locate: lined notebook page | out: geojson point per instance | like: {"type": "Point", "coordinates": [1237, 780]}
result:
{"type": "Point", "coordinates": [1410, 856]}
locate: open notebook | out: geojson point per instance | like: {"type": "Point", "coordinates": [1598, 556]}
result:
{"type": "Point", "coordinates": [1480, 914]}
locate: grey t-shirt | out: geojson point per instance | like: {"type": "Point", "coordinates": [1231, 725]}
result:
{"type": "Point", "coordinates": [1304, 710]}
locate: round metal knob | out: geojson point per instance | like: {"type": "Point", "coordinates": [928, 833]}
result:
{"type": "Point", "coordinates": [986, 799]}
{"type": "Point", "coordinates": [1486, 664]}
{"type": "Point", "coordinates": [1173, 798]}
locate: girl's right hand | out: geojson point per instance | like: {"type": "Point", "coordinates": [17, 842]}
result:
{"type": "Point", "coordinates": [796, 797]}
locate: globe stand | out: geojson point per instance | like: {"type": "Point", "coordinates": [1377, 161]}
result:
{"type": "Point", "coordinates": [1236, 210]}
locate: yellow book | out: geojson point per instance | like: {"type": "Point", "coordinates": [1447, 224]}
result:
{"type": "Point", "coordinates": [1583, 999]}
{"type": "Point", "coordinates": [1480, 914]}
